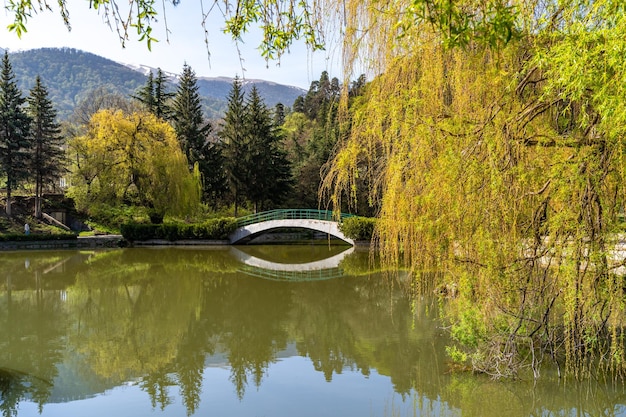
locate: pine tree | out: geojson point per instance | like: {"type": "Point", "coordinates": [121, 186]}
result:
{"type": "Point", "coordinates": [162, 97]}
{"type": "Point", "coordinates": [191, 129]}
{"type": "Point", "coordinates": [14, 131]}
{"type": "Point", "coordinates": [154, 95]}
{"type": "Point", "coordinates": [47, 156]}
{"type": "Point", "coordinates": [279, 114]}
{"type": "Point", "coordinates": [211, 166]}
{"type": "Point", "coordinates": [270, 179]}
{"type": "Point", "coordinates": [145, 94]}
{"type": "Point", "coordinates": [234, 142]}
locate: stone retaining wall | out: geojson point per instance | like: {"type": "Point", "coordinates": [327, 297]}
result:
{"type": "Point", "coordinates": [105, 241]}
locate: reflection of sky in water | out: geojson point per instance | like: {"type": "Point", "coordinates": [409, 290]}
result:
{"type": "Point", "coordinates": [291, 388]}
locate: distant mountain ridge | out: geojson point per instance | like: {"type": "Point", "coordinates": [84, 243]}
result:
{"type": "Point", "coordinates": [70, 74]}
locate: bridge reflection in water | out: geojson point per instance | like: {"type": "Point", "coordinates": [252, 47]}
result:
{"type": "Point", "coordinates": [318, 270]}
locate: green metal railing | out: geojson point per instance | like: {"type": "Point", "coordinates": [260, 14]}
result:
{"type": "Point", "coordinates": [285, 214]}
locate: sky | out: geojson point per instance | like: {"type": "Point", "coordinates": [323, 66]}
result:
{"type": "Point", "coordinates": [186, 44]}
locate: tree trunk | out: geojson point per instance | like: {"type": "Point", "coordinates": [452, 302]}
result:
{"type": "Point", "coordinates": [8, 206]}
{"type": "Point", "coordinates": [38, 194]}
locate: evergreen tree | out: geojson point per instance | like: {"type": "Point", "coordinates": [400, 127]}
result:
{"type": "Point", "coordinates": [154, 95]}
{"type": "Point", "coordinates": [279, 114]}
{"type": "Point", "coordinates": [298, 105]}
{"type": "Point", "coordinates": [234, 141]}
{"type": "Point", "coordinates": [145, 94]}
{"type": "Point", "coordinates": [269, 180]}
{"type": "Point", "coordinates": [162, 97]}
{"type": "Point", "coordinates": [211, 166]}
{"type": "Point", "coordinates": [191, 129]}
{"type": "Point", "coordinates": [14, 131]}
{"type": "Point", "coordinates": [47, 156]}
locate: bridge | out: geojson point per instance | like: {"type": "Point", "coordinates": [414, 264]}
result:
{"type": "Point", "coordinates": [319, 220]}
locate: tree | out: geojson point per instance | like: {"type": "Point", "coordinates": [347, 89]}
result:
{"type": "Point", "coordinates": [100, 98]}
{"type": "Point", "coordinates": [145, 94]}
{"type": "Point", "coordinates": [133, 159]}
{"type": "Point", "coordinates": [279, 114]}
{"type": "Point", "coordinates": [191, 129]}
{"type": "Point", "coordinates": [14, 131]}
{"type": "Point", "coordinates": [281, 22]}
{"type": "Point", "coordinates": [154, 95]}
{"type": "Point", "coordinates": [162, 96]}
{"type": "Point", "coordinates": [214, 180]}
{"type": "Point", "coordinates": [48, 156]}
{"type": "Point", "coordinates": [234, 140]}
{"type": "Point", "coordinates": [497, 153]}
{"type": "Point", "coordinates": [269, 178]}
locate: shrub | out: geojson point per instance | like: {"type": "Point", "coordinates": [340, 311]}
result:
{"type": "Point", "coordinates": [213, 229]}
{"type": "Point", "coordinates": [358, 228]}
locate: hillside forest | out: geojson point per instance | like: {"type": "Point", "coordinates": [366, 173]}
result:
{"type": "Point", "coordinates": [154, 154]}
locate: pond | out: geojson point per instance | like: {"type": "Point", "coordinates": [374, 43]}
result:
{"type": "Point", "coordinates": [307, 330]}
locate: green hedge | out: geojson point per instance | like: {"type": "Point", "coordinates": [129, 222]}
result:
{"type": "Point", "coordinates": [19, 237]}
{"type": "Point", "coordinates": [214, 229]}
{"type": "Point", "coordinates": [358, 228]}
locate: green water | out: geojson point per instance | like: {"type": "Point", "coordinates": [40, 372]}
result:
{"type": "Point", "coordinates": [254, 331]}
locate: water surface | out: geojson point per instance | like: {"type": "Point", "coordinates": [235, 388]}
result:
{"type": "Point", "coordinates": [253, 331]}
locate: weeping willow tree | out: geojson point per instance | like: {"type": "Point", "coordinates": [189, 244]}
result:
{"type": "Point", "coordinates": [133, 159]}
{"type": "Point", "coordinates": [494, 135]}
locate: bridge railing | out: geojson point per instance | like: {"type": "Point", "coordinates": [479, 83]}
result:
{"type": "Point", "coordinates": [286, 214]}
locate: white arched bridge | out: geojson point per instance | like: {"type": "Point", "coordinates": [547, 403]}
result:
{"type": "Point", "coordinates": [319, 220]}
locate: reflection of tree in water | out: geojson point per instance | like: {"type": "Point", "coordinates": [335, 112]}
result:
{"type": "Point", "coordinates": [157, 384]}
{"type": "Point", "coordinates": [248, 317]}
{"type": "Point", "coordinates": [136, 323]}
{"type": "Point", "coordinates": [13, 389]}
{"type": "Point", "coordinates": [359, 323]}
{"type": "Point", "coordinates": [189, 363]}
{"type": "Point", "coordinates": [155, 317]}
{"type": "Point", "coordinates": [33, 328]}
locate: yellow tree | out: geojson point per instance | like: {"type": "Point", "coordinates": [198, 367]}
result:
{"type": "Point", "coordinates": [495, 136]}
{"type": "Point", "coordinates": [133, 159]}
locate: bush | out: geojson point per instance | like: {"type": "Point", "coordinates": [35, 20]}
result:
{"type": "Point", "coordinates": [358, 228]}
{"type": "Point", "coordinates": [214, 229]}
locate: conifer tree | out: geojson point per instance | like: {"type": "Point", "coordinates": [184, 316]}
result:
{"type": "Point", "coordinates": [145, 94]}
{"type": "Point", "coordinates": [234, 142]}
{"type": "Point", "coordinates": [154, 95]}
{"type": "Point", "coordinates": [47, 156]}
{"type": "Point", "coordinates": [211, 167]}
{"type": "Point", "coordinates": [279, 114]}
{"type": "Point", "coordinates": [191, 128]}
{"type": "Point", "coordinates": [270, 179]}
{"type": "Point", "coordinates": [162, 97]}
{"type": "Point", "coordinates": [14, 131]}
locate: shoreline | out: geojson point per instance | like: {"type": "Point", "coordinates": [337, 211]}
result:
{"type": "Point", "coordinates": [117, 241]}
{"type": "Point", "coordinates": [81, 242]}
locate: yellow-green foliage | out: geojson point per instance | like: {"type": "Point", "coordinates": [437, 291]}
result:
{"type": "Point", "coordinates": [133, 158]}
{"type": "Point", "coordinates": [502, 167]}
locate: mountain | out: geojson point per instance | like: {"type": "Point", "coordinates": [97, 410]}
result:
{"type": "Point", "coordinates": [70, 74]}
